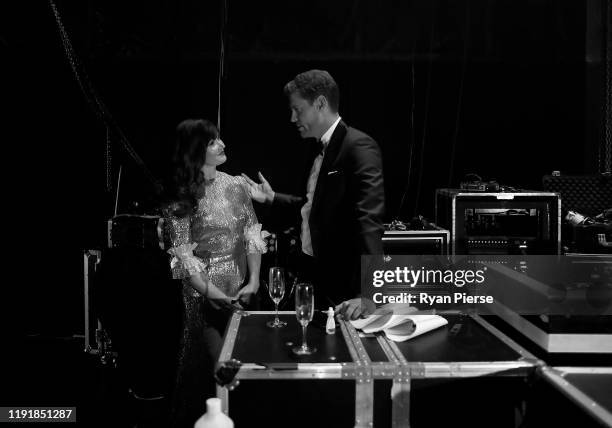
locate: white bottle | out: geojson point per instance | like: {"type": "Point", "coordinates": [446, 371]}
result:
{"type": "Point", "coordinates": [330, 326]}
{"type": "Point", "coordinates": [214, 417]}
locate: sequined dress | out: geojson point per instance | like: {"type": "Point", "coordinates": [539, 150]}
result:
{"type": "Point", "coordinates": [213, 242]}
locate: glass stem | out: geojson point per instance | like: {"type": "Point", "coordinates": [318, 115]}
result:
{"type": "Point", "coordinates": [276, 320]}
{"type": "Point", "coordinates": [304, 345]}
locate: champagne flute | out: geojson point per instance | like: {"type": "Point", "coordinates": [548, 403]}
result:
{"type": "Point", "coordinates": [276, 289]}
{"type": "Point", "coordinates": [304, 310]}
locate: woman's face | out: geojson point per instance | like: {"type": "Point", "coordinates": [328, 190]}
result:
{"type": "Point", "coordinates": [215, 153]}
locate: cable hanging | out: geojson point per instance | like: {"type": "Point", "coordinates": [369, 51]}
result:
{"type": "Point", "coordinates": [427, 95]}
{"type": "Point", "coordinates": [223, 36]}
{"type": "Point", "coordinates": [412, 129]}
{"type": "Point", "coordinates": [605, 164]}
{"type": "Point", "coordinates": [460, 98]}
{"type": "Point", "coordinates": [95, 103]}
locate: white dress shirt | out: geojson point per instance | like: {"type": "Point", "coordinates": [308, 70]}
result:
{"type": "Point", "coordinates": [310, 188]}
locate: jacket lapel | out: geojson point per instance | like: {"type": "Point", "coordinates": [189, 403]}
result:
{"type": "Point", "coordinates": [331, 154]}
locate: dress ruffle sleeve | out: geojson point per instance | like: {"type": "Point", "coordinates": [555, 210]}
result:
{"type": "Point", "coordinates": [254, 238]}
{"type": "Point", "coordinates": [184, 263]}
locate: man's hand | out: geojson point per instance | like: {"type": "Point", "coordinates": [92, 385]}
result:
{"type": "Point", "coordinates": [247, 292]}
{"type": "Point", "coordinates": [355, 308]}
{"type": "Point", "coordinates": [261, 192]}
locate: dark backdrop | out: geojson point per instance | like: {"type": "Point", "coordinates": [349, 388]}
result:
{"type": "Point", "coordinates": [447, 88]}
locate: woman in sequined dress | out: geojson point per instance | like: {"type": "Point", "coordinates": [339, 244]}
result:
{"type": "Point", "coordinates": [216, 245]}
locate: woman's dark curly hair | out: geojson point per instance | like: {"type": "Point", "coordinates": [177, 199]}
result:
{"type": "Point", "coordinates": [192, 139]}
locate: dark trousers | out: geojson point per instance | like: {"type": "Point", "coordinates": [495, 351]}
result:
{"type": "Point", "coordinates": [324, 278]}
{"type": "Point", "coordinates": [307, 269]}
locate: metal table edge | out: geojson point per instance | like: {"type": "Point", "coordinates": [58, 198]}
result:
{"type": "Point", "coordinates": [525, 354]}
{"type": "Point", "coordinates": [526, 363]}
{"type": "Point", "coordinates": [230, 337]}
{"type": "Point", "coordinates": [583, 370]}
{"type": "Point", "coordinates": [353, 342]}
{"type": "Point", "coordinates": [555, 378]}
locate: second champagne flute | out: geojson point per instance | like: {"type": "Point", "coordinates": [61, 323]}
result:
{"type": "Point", "coordinates": [304, 310]}
{"type": "Point", "coordinates": [276, 289]}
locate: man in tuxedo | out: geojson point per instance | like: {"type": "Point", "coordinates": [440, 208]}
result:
{"type": "Point", "coordinates": [343, 202]}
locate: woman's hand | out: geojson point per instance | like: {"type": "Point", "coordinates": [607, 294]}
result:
{"type": "Point", "coordinates": [219, 300]}
{"type": "Point", "coordinates": [225, 303]}
{"type": "Point", "coordinates": [247, 292]}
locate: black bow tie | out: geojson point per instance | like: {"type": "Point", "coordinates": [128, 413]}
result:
{"type": "Point", "coordinates": [320, 147]}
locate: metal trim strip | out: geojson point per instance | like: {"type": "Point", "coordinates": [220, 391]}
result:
{"type": "Point", "coordinates": [86, 300]}
{"type": "Point", "coordinates": [506, 340]}
{"type": "Point", "coordinates": [433, 238]}
{"type": "Point", "coordinates": [558, 223]}
{"type": "Point", "coordinates": [558, 343]}
{"type": "Point", "coordinates": [471, 369]}
{"type": "Point", "coordinates": [364, 404]}
{"type": "Point", "coordinates": [513, 194]}
{"type": "Point", "coordinates": [409, 232]}
{"type": "Point", "coordinates": [384, 370]}
{"type": "Point", "coordinates": [400, 390]}
{"type": "Point", "coordinates": [223, 394]}
{"type": "Point", "coordinates": [303, 371]}
{"type": "Point", "coordinates": [363, 356]}
{"type": "Point", "coordinates": [584, 370]}
{"type": "Point", "coordinates": [269, 312]}
{"type": "Point", "coordinates": [521, 324]}
{"type": "Point", "coordinates": [573, 393]}
{"type": "Point", "coordinates": [603, 256]}
{"type": "Point", "coordinates": [581, 343]}
{"type": "Point", "coordinates": [349, 341]}
{"type": "Point", "coordinates": [398, 354]}
{"type": "Point", "coordinates": [400, 402]}
{"type": "Point", "coordinates": [364, 386]}
{"type": "Point", "coordinates": [232, 331]}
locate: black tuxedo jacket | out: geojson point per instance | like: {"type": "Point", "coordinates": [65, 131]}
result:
{"type": "Point", "coordinates": [347, 209]}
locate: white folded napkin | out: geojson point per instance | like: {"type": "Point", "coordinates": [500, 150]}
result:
{"type": "Point", "coordinates": [419, 324]}
{"type": "Point", "coordinates": [398, 323]}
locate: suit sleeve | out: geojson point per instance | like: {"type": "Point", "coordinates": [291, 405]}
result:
{"type": "Point", "coordinates": [288, 201]}
{"type": "Point", "coordinates": [367, 189]}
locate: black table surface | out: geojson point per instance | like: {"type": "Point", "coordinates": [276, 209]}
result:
{"type": "Point", "coordinates": [373, 348]}
{"type": "Point", "coordinates": [461, 340]}
{"type": "Point", "coordinates": [258, 343]}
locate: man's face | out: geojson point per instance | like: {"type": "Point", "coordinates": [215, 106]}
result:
{"type": "Point", "coordinates": [305, 116]}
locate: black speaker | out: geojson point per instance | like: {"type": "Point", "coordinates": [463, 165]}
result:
{"type": "Point", "coordinates": [587, 194]}
{"type": "Point", "coordinates": [139, 306]}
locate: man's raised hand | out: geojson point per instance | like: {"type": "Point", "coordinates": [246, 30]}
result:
{"type": "Point", "coordinates": [260, 192]}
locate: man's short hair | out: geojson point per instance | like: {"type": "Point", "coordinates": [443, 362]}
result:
{"type": "Point", "coordinates": [310, 84]}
